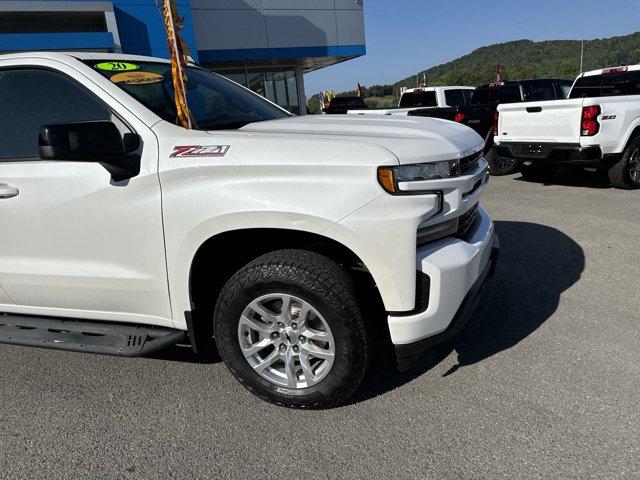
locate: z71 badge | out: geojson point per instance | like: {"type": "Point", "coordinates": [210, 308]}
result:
{"type": "Point", "coordinates": [200, 151]}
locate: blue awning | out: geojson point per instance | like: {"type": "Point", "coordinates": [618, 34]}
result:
{"type": "Point", "coordinates": [21, 42]}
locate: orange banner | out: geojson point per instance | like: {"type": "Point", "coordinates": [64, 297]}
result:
{"type": "Point", "coordinates": [178, 52]}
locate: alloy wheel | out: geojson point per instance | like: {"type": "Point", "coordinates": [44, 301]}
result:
{"type": "Point", "coordinates": [286, 341]}
{"type": "Point", "coordinates": [505, 163]}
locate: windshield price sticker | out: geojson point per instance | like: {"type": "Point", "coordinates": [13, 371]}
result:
{"type": "Point", "coordinates": [116, 66]}
{"type": "Point", "coordinates": [137, 78]}
{"type": "Point", "coordinates": [200, 151]}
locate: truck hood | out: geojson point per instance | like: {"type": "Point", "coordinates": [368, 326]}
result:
{"type": "Point", "coordinates": [410, 139]}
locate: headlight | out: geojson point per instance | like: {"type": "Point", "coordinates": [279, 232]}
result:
{"type": "Point", "coordinates": [388, 177]}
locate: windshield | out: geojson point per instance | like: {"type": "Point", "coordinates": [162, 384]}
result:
{"type": "Point", "coordinates": [505, 94]}
{"type": "Point", "coordinates": [539, 91]}
{"type": "Point", "coordinates": [347, 102]}
{"type": "Point", "coordinates": [418, 98]}
{"type": "Point", "coordinates": [607, 85]}
{"type": "Point", "coordinates": [215, 102]}
{"type": "Point", "coordinates": [480, 96]}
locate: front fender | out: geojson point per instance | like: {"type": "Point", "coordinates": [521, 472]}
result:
{"type": "Point", "coordinates": [180, 260]}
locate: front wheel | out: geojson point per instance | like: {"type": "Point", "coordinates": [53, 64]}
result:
{"type": "Point", "coordinates": [288, 327]}
{"type": "Point", "coordinates": [626, 172]}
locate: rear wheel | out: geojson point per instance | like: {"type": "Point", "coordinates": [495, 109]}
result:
{"type": "Point", "coordinates": [499, 166]}
{"type": "Point", "coordinates": [538, 173]}
{"type": "Point", "coordinates": [288, 327]}
{"type": "Point", "coordinates": [626, 173]}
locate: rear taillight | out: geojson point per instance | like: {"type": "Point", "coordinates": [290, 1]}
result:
{"type": "Point", "coordinates": [459, 117]}
{"type": "Point", "coordinates": [590, 125]}
{"type": "Point", "coordinates": [494, 126]}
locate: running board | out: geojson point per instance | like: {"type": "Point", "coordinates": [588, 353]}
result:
{"type": "Point", "coordinates": [89, 337]}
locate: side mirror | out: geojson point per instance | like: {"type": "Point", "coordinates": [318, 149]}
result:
{"type": "Point", "coordinates": [97, 142]}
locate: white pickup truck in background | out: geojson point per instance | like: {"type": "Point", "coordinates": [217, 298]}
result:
{"type": "Point", "coordinates": [424, 97]}
{"type": "Point", "coordinates": [597, 127]}
{"type": "Point", "coordinates": [291, 242]}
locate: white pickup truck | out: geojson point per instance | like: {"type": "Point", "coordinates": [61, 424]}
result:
{"type": "Point", "coordinates": [424, 97]}
{"type": "Point", "coordinates": [597, 127]}
{"type": "Point", "coordinates": [290, 242]}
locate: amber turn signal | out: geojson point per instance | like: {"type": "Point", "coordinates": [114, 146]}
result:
{"type": "Point", "coordinates": [387, 179]}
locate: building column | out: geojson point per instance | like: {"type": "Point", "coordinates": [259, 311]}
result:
{"type": "Point", "coordinates": [302, 99]}
{"type": "Point", "coordinates": [112, 26]}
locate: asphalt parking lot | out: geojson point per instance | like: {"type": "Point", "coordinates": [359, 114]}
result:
{"type": "Point", "coordinates": [545, 383]}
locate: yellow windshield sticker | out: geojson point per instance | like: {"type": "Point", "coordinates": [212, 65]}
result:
{"type": "Point", "coordinates": [137, 78]}
{"type": "Point", "coordinates": [116, 66]}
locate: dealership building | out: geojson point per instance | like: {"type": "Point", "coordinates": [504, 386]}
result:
{"type": "Point", "coordinates": [266, 45]}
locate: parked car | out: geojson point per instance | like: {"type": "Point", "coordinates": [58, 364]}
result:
{"type": "Point", "coordinates": [341, 105]}
{"type": "Point", "coordinates": [481, 114]}
{"type": "Point", "coordinates": [425, 97]}
{"type": "Point", "coordinates": [597, 127]}
{"type": "Point", "coordinates": [291, 241]}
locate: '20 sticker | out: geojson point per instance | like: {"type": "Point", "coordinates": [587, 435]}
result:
{"type": "Point", "coordinates": [116, 66]}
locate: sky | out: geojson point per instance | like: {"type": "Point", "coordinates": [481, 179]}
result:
{"type": "Point", "coordinates": [406, 36]}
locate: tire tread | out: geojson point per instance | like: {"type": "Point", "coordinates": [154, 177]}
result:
{"type": "Point", "coordinates": [618, 173]}
{"type": "Point", "coordinates": [320, 275]}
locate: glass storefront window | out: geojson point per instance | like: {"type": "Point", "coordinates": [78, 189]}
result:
{"type": "Point", "coordinates": [292, 88]}
{"type": "Point", "coordinates": [255, 82]}
{"type": "Point", "coordinates": [279, 80]}
{"type": "Point", "coordinates": [279, 86]}
{"type": "Point", "coordinates": [238, 77]}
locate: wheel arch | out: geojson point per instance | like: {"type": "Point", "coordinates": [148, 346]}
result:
{"type": "Point", "coordinates": [211, 266]}
{"type": "Point", "coordinates": [633, 132]}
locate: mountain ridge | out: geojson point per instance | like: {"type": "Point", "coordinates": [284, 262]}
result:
{"type": "Point", "coordinates": [521, 59]}
{"type": "Point", "coordinates": [529, 59]}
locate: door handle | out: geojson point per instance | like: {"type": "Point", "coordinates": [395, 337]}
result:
{"type": "Point", "coordinates": [8, 192]}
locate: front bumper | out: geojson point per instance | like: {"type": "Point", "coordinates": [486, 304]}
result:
{"type": "Point", "coordinates": [552, 153]}
{"type": "Point", "coordinates": [457, 270]}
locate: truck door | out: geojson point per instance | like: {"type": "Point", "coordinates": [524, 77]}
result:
{"type": "Point", "coordinates": [75, 242]}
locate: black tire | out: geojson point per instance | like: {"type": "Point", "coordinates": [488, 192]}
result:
{"type": "Point", "coordinates": [499, 166]}
{"type": "Point", "coordinates": [538, 173]}
{"type": "Point", "coordinates": [314, 279]}
{"type": "Point", "coordinates": [620, 174]}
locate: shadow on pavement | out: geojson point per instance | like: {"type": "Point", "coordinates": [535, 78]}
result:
{"type": "Point", "coordinates": [574, 177]}
{"type": "Point", "coordinates": [183, 353]}
{"type": "Point", "coordinates": [536, 265]}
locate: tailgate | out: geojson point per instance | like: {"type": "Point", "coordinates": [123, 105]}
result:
{"type": "Point", "coordinates": [556, 121]}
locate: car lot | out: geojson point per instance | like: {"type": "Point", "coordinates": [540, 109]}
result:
{"type": "Point", "coordinates": [543, 384]}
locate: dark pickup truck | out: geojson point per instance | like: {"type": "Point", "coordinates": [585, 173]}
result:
{"type": "Point", "coordinates": [482, 114]}
{"type": "Point", "coordinates": [341, 105]}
